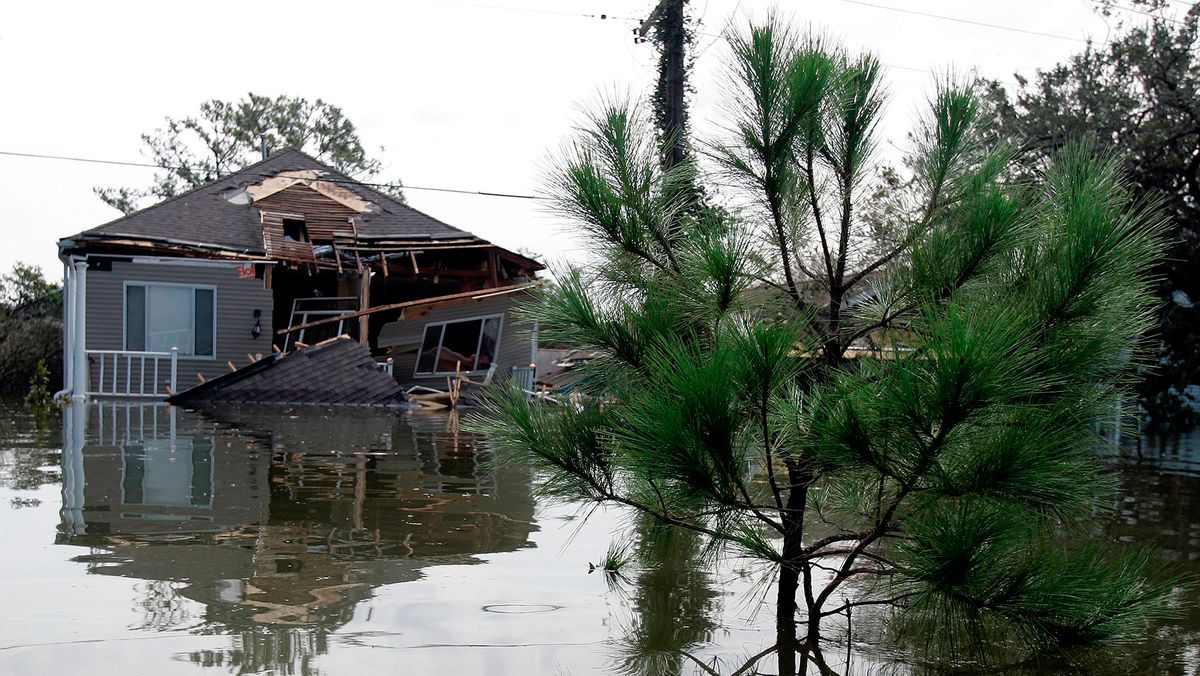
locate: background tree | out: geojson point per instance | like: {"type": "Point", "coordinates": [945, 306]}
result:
{"type": "Point", "coordinates": [228, 135]}
{"type": "Point", "coordinates": [30, 329]}
{"type": "Point", "coordinates": [1138, 97]}
{"type": "Point", "coordinates": [932, 479]}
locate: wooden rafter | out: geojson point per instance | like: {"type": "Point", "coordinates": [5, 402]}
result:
{"type": "Point", "coordinates": [466, 296]}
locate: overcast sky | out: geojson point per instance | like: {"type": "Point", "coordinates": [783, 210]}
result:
{"type": "Point", "coordinates": [469, 95]}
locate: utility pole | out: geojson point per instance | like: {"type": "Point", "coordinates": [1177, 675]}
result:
{"type": "Point", "coordinates": [667, 20]}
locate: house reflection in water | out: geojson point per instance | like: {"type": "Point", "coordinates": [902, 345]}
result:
{"type": "Point", "coordinates": [278, 521]}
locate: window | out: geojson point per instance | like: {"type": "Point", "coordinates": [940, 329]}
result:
{"type": "Point", "coordinates": [295, 230]}
{"type": "Point", "coordinates": [159, 317]}
{"type": "Point", "coordinates": [468, 344]}
{"type": "Point", "coordinates": [305, 310]}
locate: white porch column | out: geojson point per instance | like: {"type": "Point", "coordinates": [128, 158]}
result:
{"type": "Point", "coordinates": [68, 322]}
{"type": "Point", "coordinates": [80, 370]}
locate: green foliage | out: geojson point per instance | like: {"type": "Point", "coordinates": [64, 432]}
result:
{"type": "Point", "coordinates": [26, 292]}
{"type": "Point", "coordinates": [616, 558]}
{"type": "Point", "coordinates": [30, 330]}
{"type": "Point", "coordinates": [1138, 96]}
{"type": "Point", "coordinates": [950, 461]}
{"type": "Point", "coordinates": [972, 571]}
{"type": "Point", "coordinates": [228, 135]}
{"type": "Point", "coordinates": [39, 387]}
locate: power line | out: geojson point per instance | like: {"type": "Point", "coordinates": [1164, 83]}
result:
{"type": "Point", "coordinates": [965, 21]}
{"type": "Point", "coordinates": [79, 159]}
{"type": "Point", "coordinates": [90, 160]}
{"type": "Point", "coordinates": [535, 10]}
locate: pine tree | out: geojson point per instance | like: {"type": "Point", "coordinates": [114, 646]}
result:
{"type": "Point", "coordinates": [906, 425]}
{"type": "Point", "coordinates": [1138, 94]}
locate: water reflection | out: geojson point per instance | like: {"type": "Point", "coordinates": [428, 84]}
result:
{"type": "Point", "coordinates": [296, 540]}
{"type": "Point", "coordinates": [674, 600]}
{"type": "Point", "coordinates": [273, 519]}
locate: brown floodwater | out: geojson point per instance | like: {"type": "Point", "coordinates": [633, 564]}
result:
{"type": "Point", "coordinates": [145, 539]}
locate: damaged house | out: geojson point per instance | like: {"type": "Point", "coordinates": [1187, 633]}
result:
{"type": "Point", "coordinates": [283, 256]}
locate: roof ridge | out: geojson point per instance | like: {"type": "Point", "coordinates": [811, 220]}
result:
{"type": "Point", "coordinates": [186, 193]}
{"type": "Point", "coordinates": [205, 214]}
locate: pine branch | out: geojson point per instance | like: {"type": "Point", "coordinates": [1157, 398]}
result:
{"type": "Point", "coordinates": [896, 601]}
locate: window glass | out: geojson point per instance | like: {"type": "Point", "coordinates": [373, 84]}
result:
{"type": "Point", "coordinates": [468, 345]}
{"type": "Point", "coordinates": [160, 317]}
{"type": "Point", "coordinates": [428, 357]}
{"type": "Point", "coordinates": [169, 317]}
{"type": "Point", "coordinates": [460, 341]}
{"type": "Point", "coordinates": [205, 321]}
{"type": "Point", "coordinates": [487, 344]}
{"type": "Point", "coordinates": [135, 318]}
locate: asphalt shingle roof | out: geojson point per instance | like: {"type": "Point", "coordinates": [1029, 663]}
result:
{"type": "Point", "coordinates": [337, 371]}
{"type": "Point", "coordinates": [205, 217]}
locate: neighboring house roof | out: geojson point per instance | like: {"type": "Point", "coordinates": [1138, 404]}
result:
{"type": "Point", "coordinates": [207, 218]}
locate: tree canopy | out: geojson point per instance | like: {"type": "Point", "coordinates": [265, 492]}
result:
{"type": "Point", "coordinates": [906, 428]}
{"type": "Point", "coordinates": [1138, 98]}
{"type": "Point", "coordinates": [30, 328]}
{"type": "Point", "coordinates": [225, 136]}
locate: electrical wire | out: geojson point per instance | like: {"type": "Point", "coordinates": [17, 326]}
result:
{"type": "Point", "coordinates": [534, 10]}
{"type": "Point", "coordinates": [964, 21]}
{"type": "Point", "coordinates": [391, 186]}
{"type": "Point", "coordinates": [715, 37]}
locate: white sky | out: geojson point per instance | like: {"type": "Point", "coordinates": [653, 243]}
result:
{"type": "Point", "coordinates": [461, 94]}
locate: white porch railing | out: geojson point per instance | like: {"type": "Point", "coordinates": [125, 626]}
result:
{"type": "Point", "coordinates": [523, 377]}
{"type": "Point", "coordinates": [123, 373]}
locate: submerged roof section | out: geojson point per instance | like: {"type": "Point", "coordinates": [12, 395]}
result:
{"type": "Point", "coordinates": [336, 371]}
{"type": "Point", "coordinates": [222, 215]}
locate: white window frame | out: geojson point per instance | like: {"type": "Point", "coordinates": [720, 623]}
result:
{"type": "Point", "coordinates": [426, 327]}
{"type": "Point", "coordinates": [193, 287]}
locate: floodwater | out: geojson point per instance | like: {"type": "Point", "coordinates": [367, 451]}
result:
{"type": "Point", "coordinates": [145, 539]}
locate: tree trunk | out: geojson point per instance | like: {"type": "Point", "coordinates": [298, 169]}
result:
{"type": "Point", "coordinates": [789, 573]}
{"type": "Point", "coordinates": [785, 619]}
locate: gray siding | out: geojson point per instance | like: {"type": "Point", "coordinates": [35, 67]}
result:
{"type": "Point", "coordinates": [236, 301]}
{"type": "Point", "coordinates": [403, 337]}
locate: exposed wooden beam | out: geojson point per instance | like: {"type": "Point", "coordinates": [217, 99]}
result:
{"type": "Point", "coordinates": [465, 296]}
{"type": "Point", "coordinates": [364, 304]}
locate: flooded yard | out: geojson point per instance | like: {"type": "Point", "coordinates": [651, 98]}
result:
{"type": "Point", "coordinates": [150, 539]}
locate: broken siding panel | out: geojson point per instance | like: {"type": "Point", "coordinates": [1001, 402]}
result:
{"type": "Point", "coordinates": [236, 301]}
{"type": "Point", "coordinates": [404, 337]}
{"type": "Point", "coordinates": [280, 247]}
{"type": "Point", "coordinates": [323, 216]}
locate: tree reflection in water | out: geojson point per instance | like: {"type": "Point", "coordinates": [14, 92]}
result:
{"type": "Point", "coordinates": [271, 526]}
{"type": "Point", "coordinates": [673, 601]}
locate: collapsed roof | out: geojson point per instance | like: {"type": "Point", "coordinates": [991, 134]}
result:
{"type": "Point", "coordinates": [335, 371]}
{"type": "Point", "coordinates": [226, 217]}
